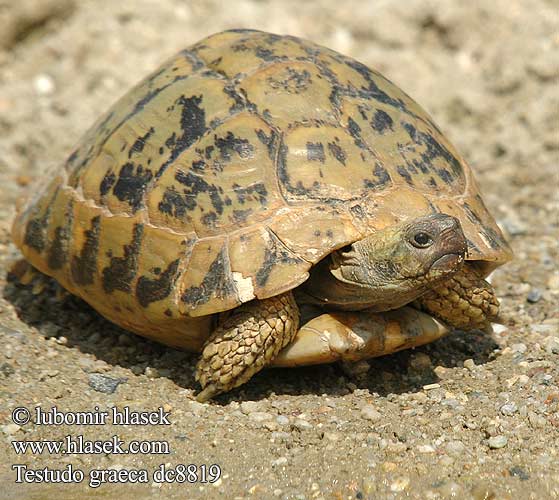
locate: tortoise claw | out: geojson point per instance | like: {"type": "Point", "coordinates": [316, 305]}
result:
{"type": "Point", "coordinates": [207, 393]}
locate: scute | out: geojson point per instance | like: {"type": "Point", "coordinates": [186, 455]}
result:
{"type": "Point", "coordinates": [323, 163]}
{"type": "Point", "coordinates": [223, 183]}
{"type": "Point", "coordinates": [231, 170]}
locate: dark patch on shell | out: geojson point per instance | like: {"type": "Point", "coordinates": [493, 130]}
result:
{"type": "Point", "coordinates": [294, 83]}
{"type": "Point", "coordinates": [382, 121]}
{"type": "Point", "coordinates": [495, 239]}
{"type": "Point", "coordinates": [217, 282]}
{"type": "Point", "coordinates": [122, 270]}
{"type": "Point", "coordinates": [107, 183]}
{"type": "Point", "coordinates": [209, 219]}
{"type": "Point", "coordinates": [36, 233]}
{"type": "Point", "coordinates": [241, 216]}
{"type": "Point", "coordinates": [230, 143]}
{"type": "Point", "coordinates": [131, 184]}
{"type": "Point", "coordinates": [151, 290]}
{"type": "Point", "coordinates": [174, 204]}
{"type": "Point", "coordinates": [434, 149]}
{"type": "Point", "coordinates": [36, 229]}
{"type": "Point", "coordinates": [337, 152]}
{"type": "Point", "coordinates": [382, 178]}
{"type": "Point", "coordinates": [405, 174]}
{"type": "Point", "coordinates": [315, 152]}
{"type": "Point", "coordinates": [196, 186]}
{"type": "Point", "coordinates": [256, 191]}
{"type": "Point", "coordinates": [140, 142]}
{"type": "Point", "coordinates": [193, 126]}
{"type": "Point", "coordinates": [84, 266]}
{"type": "Point", "coordinates": [355, 132]}
{"type": "Point", "coordinates": [58, 251]}
{"type": "Point", "coordinates": [269, 141]}
{"type": "Point", "coordinates": [276, 253]}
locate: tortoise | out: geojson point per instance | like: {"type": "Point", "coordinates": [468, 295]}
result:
{"type": "Point", "coordinates": [260, 193]}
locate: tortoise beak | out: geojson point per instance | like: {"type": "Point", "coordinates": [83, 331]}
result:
{"type": "Point", "coordinates": [448, 263]}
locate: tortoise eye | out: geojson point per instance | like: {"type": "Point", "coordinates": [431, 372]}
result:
{"type": "Point", "coordinates": [346, 249]}
{"type": "Point", "coordinates": [422, 240]}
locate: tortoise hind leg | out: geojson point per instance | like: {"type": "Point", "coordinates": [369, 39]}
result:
{"type": "Point", "coordinates": [245, 343]}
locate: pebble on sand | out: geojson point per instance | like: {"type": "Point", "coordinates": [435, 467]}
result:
{"type": "Point", "coordinates": [497, 442]}
{"type": "Point", "coordinates": [104, 383]}
{"type": "Point", "coordinates": [369, 412]}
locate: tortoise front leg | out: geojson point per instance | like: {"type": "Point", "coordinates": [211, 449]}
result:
{"type": "Point", "coordinates": [353, 336]}
{"type": "Point", "coordinates": [245, 343]}
{"type": "Point", "coordinates": [465, 301]}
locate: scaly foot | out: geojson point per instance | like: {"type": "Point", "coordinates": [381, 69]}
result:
{"type": "Point", "coordinates": [245, 342]}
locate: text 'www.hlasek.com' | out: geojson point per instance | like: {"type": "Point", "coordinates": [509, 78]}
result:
{"type": "Point", "coordinates": [78, 444]}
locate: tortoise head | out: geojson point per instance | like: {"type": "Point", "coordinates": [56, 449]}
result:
{"type": "Point", "coordinates": [391, 267]}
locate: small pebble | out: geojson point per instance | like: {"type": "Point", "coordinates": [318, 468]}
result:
{"type": "Point", "coordinates": [104, 383]}
{"type": "Point", "coordinates": [10, 429]}
{"type": "Point", "coordinates": [197, 408]}
{"type": "Point", "coordinates": [519, 348]}
{"type": "Point", "coordinates": [425, 448]}
{"type": "Point", "coordinates": [470, 364]}
{"type": "Point", "coordinates": [282, 420]}
{"type": "Point", "coordinates": [545, 329]}
{"type": "Point", "coordinates": [446, 461]}
{"type": "Point", "coordinates": [6, 370]}
{"type": "Point", "coordinates": [260, 416]}
{"type": "Point", "coordinates": [452, 403]}
{"type": "Point", "coordinates": [509, 408]}
{"type": "Point", "coordinates": [455, 448]}
{"type": "Point", "coordinates": [497, 442]}
{"type": "Point", "coordinates": [151, 372]}
{"type": "Point", "coordinates": [552, 345]}
{"type": "Point", "coordinates": [332, 436]}
{"type": "Point", "coordinates": [250, 407]}
{"type": "Point", "coordinates": [420, 362]}
{"type": "Point", "coordinates": [280, 436]}
{"type": "Point", "coordinates": [302, 424]}
{"type": "Point", "coordinates": [536, 421]}
{"type": "Point", "coordinates": [534, 295]}
{"type": "Point", "coordinates": [519, 472]}
{"type": "Point", "coordinates": [430, 387]}
{"type": "Point", "coordinates": [279, 462]}
{"type": "Point", "coordinates": [44, 84]}
{"type": "Point", "coordinates": [369, 412]}
{"type": "Point", "coordinates": [498, 328]}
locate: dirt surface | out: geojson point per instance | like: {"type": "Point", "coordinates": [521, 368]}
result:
{"type": "Point", "coordinates": [470, 416]}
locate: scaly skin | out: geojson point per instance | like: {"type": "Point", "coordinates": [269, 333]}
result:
{"type": "Point", "coordinates": [245, 343]}
{"type": "Point", "coordinates": [465, 301]}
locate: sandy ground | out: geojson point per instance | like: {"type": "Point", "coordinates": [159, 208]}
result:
{"type": "Point", "coordinates": [470, 416]}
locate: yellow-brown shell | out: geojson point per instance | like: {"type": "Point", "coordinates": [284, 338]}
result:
{"type": "Point", "coordinates": [231, 170]}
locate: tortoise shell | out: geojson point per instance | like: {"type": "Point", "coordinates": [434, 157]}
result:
{"type": "Point", "coordinates": [230, 171]}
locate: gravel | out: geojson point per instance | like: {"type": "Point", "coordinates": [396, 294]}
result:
{"type": "Point", "coordinates": [497, 442]}
{"type": "Point", "coordinates": [104, 383]}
